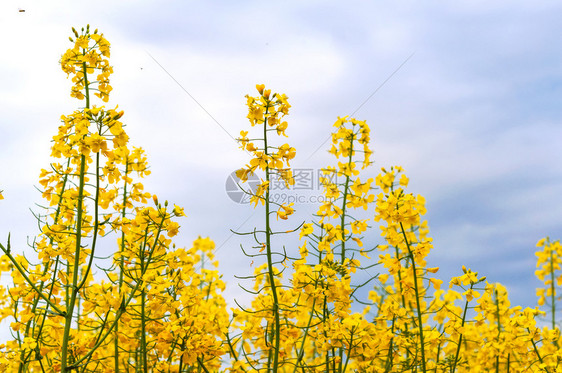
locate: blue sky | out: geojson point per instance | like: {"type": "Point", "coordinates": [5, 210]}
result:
{"type": "Point", "coordinates": [474, 115]}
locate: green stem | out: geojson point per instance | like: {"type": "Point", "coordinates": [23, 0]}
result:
{"type": "Point", "coordinates": [181, 360]}
{"type": "Point", "coordinates": [417, 292]}
{"type": "Point", "coordinates": [96, 224]}
{"type": "Point", "coordinates": [388, 364]}
{"type": "Point", "coordinates": [300, 353]}
{"type": "Point", "coordinates": [201, 365]}
{"type": "Point", "coordinates": [324, 318]}
{"type": "Point", "coordinates": [143, 332]}
{"type": "Point", "coordinates": [143, 351]}
{"type": "Point", "coordinates": [537, 351]}
{"type": "Point", "coordinates": [270, 267]}
{"type": "Point", "coordinates": [552, 291]}
{"type": "Point", "coordinates": [460, 336]}
{"type": "Point", "coordinates": [348, 353]}
{"type": "Point", "coordinates": [121, 263]}
{"type": "Point", "coordinates": [345, 192]}
{"type": "Point", "coordinates": [231, 348]}
{"type": "Point", "coordinates": [75, 289]}
{"type": "Point", "coordinates": [497, 301]}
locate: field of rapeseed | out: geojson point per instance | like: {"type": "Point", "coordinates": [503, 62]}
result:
{"type": "Point", "coordinates": [155, 309]}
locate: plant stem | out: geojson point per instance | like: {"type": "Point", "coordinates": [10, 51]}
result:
{"type": "Point", "coordinates": [270, 268]}
{"type": "Point", "coordinates": [74, 289]}
{"type": "Point", "coordinates": [345, 192]}
{"type": "Point", "coordinates": [300, 353]}
{"type": "Point", "coordinates": [417, 292]}
{"type": "Point", "coordinates": [121, 263]}
{"type": "Point", "coordinates": [537, 351]}
{"type": "Point", "coordinates": [460, 336]}
{"type": "Point", "coordinates": [80, 202]}
{"type": "Point", "coordinates": [552, 291]}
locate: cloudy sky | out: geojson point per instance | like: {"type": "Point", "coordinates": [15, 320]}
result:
{"type": "Point", "coordinates": [464, 95]}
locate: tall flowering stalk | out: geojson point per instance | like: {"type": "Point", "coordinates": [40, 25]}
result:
{"type": "Point", "coordinates": [267, 112]}
{"type": "Point", "coordinates": [408, 235]}
{"type": "Point", "coordinates": [74, 220]}
{"type": "Point", "coordinates": [549, 270]}
{"type": "Point", "coordinates": [350, 138]}
{"type": "Point", "coordinates": [324, 282]}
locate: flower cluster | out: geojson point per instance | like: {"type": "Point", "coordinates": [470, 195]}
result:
{"type": "Point", "coordinates": [549, 262]}
{"type": "Point", "coordinates": [267, 111]}
{"type": "Point", "coordinates": [89, 54]}
{"type": "Point", "coordinates": [350, 138]}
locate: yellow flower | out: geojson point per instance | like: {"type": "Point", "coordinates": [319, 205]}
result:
{"type": "Point", "coordinates": [306, 230]}
{"type": "Point", "coordinates": [285, 210]}
{"type": "Point", "coordinates": [172, 228]}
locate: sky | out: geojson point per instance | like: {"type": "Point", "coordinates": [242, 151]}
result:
{"type": "Point", "coordinates": [464, 95]}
